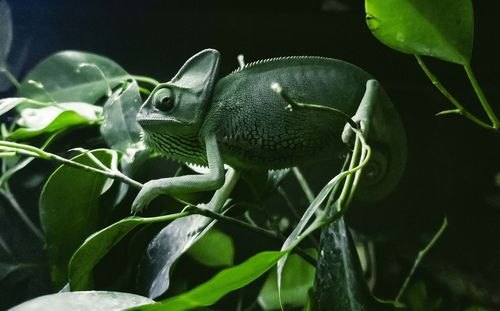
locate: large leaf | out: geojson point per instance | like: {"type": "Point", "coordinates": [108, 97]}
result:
{"type": "Point", "coordinates": [417, 298]}
{"type": "Point", "coordinates": [100, 243]}
{"type": "Point", "coordinates": [340, 284]}
{"type": "Point", "coordinates": [5, 32]}
{"type": "Point", "coordinates": [120, 128]}
{"type": "Point", "coordinates": [442, 29]}
{"type": "Point", "coordinates": [221, 284]}
{"type": "Point", "coordinates": [94, 248]}
{"type": "Point", "coordinates": [214, 249]}
{"type": "Point", "coordinates": [61, 78]}
{"type": "Point", "coordinates": [69, 211]}
{"type": "Point", "coordinates": [7, 104]}
{"type": "Point", "coordinates": [298, 278]}
{"type": "Point", "coordinates": [164, 250]}
{"type": "Point", "coordinates": [121, 131]}
{"type": "Point", "coordinates": [36, 121]}
{"type": "Point", "coordinates": [83, 301]}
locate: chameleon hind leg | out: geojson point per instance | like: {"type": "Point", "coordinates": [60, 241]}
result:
{"type": "Point", "coordinates": [365, 113]}
{"type": "Point", "coordinates": [185, 184]}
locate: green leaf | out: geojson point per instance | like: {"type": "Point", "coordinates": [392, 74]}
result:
{"type": "Point", "coordinates": [7, 104]}
{"type": "Point", "coordinates": [72, 76]}
{"type": "Point", "coordinates": [98, 245]}
{"type": "Point", "coordinates": [442, 29]}
{"type": "Point", "coordinates": [94, 248]}
{"type": "Point", "coordinates": [120, 128]}
{"type": "Point", "coordinates": [164, 250]}
{"type": "Point", "coordinates": [214, 249]}
{"type": "Point", "coordinates": [69, 211]}
{"type": "Point", "coordinates": [221, 284]}
{"type": "Point", "coordinates": [5, 32]}
{"type": "Point", "coordinates": [92, 300]}
{"type": "Point", "coordinates": [340, 284]}
{"type": "Point", "coordinates": [298, 278]}
{"type": "Point", "coordinates": [417, 298]}
{"type": "Point", "coordinates": [476, 308]}
{"type": "Point", "coordinates": [36, 121]}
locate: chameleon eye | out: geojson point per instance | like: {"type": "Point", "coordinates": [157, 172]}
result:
{"type": "Point", "coordinates": [164, 100]}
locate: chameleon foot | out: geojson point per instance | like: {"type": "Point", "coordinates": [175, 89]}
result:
{"type": "Point", "coordinates": [148, 192]}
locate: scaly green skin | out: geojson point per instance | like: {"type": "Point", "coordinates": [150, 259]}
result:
{"type": "Point", "coordinates": [242, 122]}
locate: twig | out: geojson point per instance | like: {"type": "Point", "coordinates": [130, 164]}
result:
{"type": "Point", "coordinates": [259, 230]}
{"type": "Point", "coordinates": [419, 258]}
{"type": "Point", "coordinates": [482, 99]}
{"type": "Point", "coordinates": [460, 109]}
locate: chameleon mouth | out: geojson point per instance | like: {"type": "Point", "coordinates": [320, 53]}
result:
{"type": "Point", "coordinates": [155, 120]}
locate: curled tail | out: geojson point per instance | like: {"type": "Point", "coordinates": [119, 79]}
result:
{"type": "Point", "coordinates": [387, 139]}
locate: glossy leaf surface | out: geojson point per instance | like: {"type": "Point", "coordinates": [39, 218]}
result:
{"type": "Point", "coordinates": [120, 128]}
{"type": "Point", "coordinates": [36, 121]}
{"type": "Point", "coordinates": [298, 278]}
{"type": "Point", "coordinates": [442, 29]}
{"type": "Point", "coordinates": [80, 301]}
{"type": "Point", "coordinates": [72, 76]}
{"type": "Point", "coordinates": [221, 284]}
{"type": "Point", "coordinates": [69, 212]}
{"type": "Point", "coordinates": [94, 248]}
{"type": "Point", "coordinates": [214, 249]}
{"type": "Point", "coordinates": [5, 32]}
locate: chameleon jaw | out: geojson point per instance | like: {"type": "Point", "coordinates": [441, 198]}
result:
{"type": "Point", "coordinates": [158, 120]}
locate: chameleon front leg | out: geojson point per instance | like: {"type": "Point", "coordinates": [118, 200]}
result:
{"type": "Point", "coordinates": [185, 184]}
{"type": "Point", "coordinates": [365, 112]}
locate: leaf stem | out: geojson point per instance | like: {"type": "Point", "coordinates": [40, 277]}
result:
{"type": "Point", "coordinates": [303, 184]}
{"type": "Point", "coordinates": [211, 214]}
{"type": "Point", "coordinates": [36, 152]}
{"type": "Point", "coordinates": [460, 109]}
{"type": "Point", "coordinates": [164, 218]}
{"type": "Point", "coordinates": [419, 258]}
{"type": "Point", "coordinates": [482, 99]}
{"type": "Point", "coordinates": [10, 77]}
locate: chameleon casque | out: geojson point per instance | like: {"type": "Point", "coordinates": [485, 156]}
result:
{"type": "Point", "coordinates": [240, 121]}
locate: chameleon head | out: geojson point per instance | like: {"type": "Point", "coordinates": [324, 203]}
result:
{"type": "Point", "coordinates": [176, 109]}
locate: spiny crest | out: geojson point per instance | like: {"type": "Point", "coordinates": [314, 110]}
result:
{"type": "Point", "coordinates": [268, 60]}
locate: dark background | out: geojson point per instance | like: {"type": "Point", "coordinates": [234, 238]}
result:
{"type": "Point", "coordinates": [452, 163]}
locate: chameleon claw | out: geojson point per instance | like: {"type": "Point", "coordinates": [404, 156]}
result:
{"type": "Point", "coordinates": [144, 197]}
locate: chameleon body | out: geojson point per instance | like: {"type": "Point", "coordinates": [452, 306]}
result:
{"type": "Point", "coordinates": [242, 122]}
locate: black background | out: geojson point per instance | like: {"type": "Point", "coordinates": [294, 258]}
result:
{"type": "Point", "coordinates": [452, 163]}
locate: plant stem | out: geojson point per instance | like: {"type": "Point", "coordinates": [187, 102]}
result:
{"type": "Point", "coordinates": [460, 109]}
{"type": "Point", "coordinates": [248, 226]}
{"type": "Point", "coordinates": [419, 258]}
{"type": "Point", "coordinates": [15, 205]}
{"type": "Point", "coordinates": [482, 99]}
{"type": "Point", "coordinates": [168, 217]}
{"type": "Point", "coordinates": [36, 152]}
{"type": "Point", "coordinates": [110, 174]}
{"type": "Point", "coordinates": [231, 220]}
{"type": "Point", "coordinates": [146, 80]}
{"type": "Point", "coordinates": [303, 184]}
{"type": "Point", "coordinates": [11, 77]}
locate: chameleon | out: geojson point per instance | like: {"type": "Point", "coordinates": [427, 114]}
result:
{"type": "Point", "coordinates": [239, 120]}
